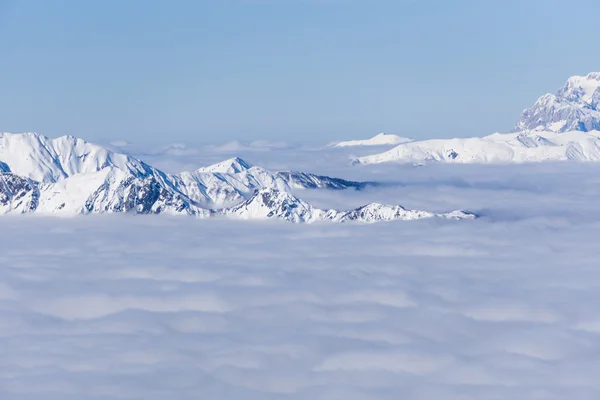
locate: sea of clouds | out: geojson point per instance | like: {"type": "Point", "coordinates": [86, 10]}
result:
{"type": "Point", "coordinates": [158, 307]}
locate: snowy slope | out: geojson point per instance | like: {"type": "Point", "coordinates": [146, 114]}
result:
{"type": "Point", "coordinates": [382, 139]}
{"type": "Point", "coordinates": [575, 107]}
{"type": "Point", "coordinates": [530, 146]}
{"type": "Point", "coordinates": [47, 160]}
{"type": "Point", "coordinates": [275, 204]}
{"type": "Point", "coordinates": [230, 166]}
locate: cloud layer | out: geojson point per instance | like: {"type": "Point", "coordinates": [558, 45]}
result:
{"type": "Point", "coordinates": [122, 307]}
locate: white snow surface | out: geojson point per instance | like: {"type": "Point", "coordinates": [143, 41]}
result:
{"type": "Point", "coordinates": [231, 166]}
{"type": "Point", "coordinates": [518, 147]}
{"type": "Point", "coordinates": [382, 139]}
{"type": "Point", "coordinates": [155, 307]}
{"type": "Point", "coordinates": [47, 160]}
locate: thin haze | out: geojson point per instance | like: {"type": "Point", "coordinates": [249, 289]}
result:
{"type": "Point", "coordinates": [207, 71]}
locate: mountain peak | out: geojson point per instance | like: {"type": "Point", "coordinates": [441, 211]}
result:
{"type": "Point", "coordinates": [46, 160]}
{"type": "Point", "coordinates": [230, 166]}
{"type": "Point", "coordinates": [273, 203]}
{"type": "Point", "coordinates": [574, 107]}
{"type": "Point", "coordinates": [594, 76]}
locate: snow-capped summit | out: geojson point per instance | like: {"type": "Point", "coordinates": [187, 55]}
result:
{"type": "Point", "coordinates": [47, 160]}
{"type": "Point", "coordinates": [274, 204]}
{"type": "Point", "coordinates": [382, 139]}
{"type": "Point", "coordinates": [575, 107]}
{"type": "Point", "coordinates": [231, 166]}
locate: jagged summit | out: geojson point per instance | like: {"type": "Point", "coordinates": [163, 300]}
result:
{"type": "Point", "coordinates": [231, 166]}
{"type": "Point", "coordinates": [274, 204]}
{"type": "Point", "coordinates": [574, 107]}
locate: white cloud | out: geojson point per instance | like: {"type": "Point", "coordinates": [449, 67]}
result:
{"type": "Point", "coordinates": [505, 307]}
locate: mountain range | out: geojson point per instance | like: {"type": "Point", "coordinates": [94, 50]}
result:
{"type": "Point", "coordinates": [559, 127]}
{"type": "Point", "coordinates": [69, 176]}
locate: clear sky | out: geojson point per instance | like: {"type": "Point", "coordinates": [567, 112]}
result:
{"type": "Point", "coordinates": [218, 70]}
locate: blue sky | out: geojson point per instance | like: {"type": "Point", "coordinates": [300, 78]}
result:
{"type": "Point", "coordinates": [209, 71]}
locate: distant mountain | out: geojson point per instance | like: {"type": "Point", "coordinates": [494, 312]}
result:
{"type": "Point", "coordinates": [70, 176]}
{"type": "Point", "coordinates": [275, 204]}
{"type": "Point", "coordinates": [497, 148]}
{"type": "Point", "coordinates": [575, 107]}
{"type": "Point", "coordinates": [382, 139]}
{"type": "Point", "coordinates": [559, 127]}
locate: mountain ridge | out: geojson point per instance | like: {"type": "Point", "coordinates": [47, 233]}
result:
{"type": "Point", "coordinates": [274, 204]}
{"type": "Point", "coordinates": [77, 177]}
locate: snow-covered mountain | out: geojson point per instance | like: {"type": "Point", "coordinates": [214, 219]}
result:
{"type": "Point", "coordinates": [559, 127]}
{"type": "Point", "coordinates": [223, 189]}
{"type": "Point", "coordinates": [275, 204]}
{"type": "Point", "coordinates": [48, 160]}
{"type": "Point", "coordinates": [529, 146]}
{"type": "Point", "coordinates": [70, 176]}
{"type": "Point", "coordinates": [382, 139]}
{"type": "Point", "coordinates": [575, 107]}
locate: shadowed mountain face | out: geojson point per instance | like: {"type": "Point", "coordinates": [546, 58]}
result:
{"type": "Point", "coordinates": [17, 194]}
